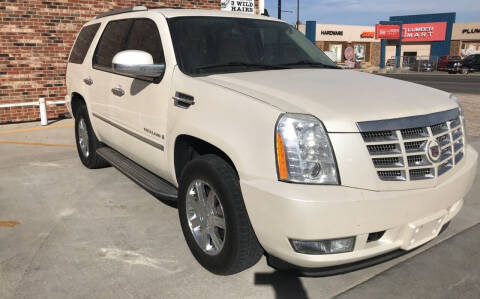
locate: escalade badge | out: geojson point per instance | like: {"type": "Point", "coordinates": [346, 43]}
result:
{"type": "Point", "coordinates": [433, 150]}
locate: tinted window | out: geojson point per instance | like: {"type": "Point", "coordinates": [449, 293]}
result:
{"type": "Point", "coordinates": [144, 36]}
{"type": "Point", "coordinates": [82, 44]}
{"type": "Point", "coordinates": [204, 44]}
{"type": "Point", "coordinates": [112, 41]}
{"type": "Point", "coordinates": [129, 34]}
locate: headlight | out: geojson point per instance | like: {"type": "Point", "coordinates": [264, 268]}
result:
{"type": "Point", "coordinates": [304, 153]}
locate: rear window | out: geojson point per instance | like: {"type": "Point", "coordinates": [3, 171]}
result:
{"type": "Point", "coordinates": [83, 42]}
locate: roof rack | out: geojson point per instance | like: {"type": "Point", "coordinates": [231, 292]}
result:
{"type": "Point", "coordinates": [120, 11]}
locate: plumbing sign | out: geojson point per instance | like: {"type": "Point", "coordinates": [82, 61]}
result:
{"type": "Point", "coordinates": [247, 6]}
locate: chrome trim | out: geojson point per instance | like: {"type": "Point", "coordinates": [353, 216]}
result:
{"type": "Point", "coordinates": [186, 101]}
{"type": "Point", "coordinates": [118, 91]}
{"type": "Point", "coordinates": [409, 122]}
{"type": "Point", "coordinates": [127, 131]}
{"type": "Point", "coordinates": [144, 70]}
{"type": "Point", "coordinates": [183, 100]}
{"type": "Point", "coordinates": [88, 81]}
{"type": "Point", "coordinates": [120, 11]}
{"type": "Point", "coordinates": [424, 150]}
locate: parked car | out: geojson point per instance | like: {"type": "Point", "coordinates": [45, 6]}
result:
{"type": "Point", "coordinates": [469, 64]}
{"type": "Point", "coordinates": [421, 66]}
{"type": "Point", "coordinates": [391, 62]}
{"type": "Point", "coordinates": [447, 61]}
{"type": "Point", "coordinates": [264, 143]}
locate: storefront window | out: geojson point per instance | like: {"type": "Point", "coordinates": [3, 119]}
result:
{"type": "Point", "coordinates": [359, 52]}
{"type": "Point", "coordinates": [338, 51]}
{"type": "Point", "coordinates": [470, 48]}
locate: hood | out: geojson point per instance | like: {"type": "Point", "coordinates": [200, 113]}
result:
{"type": "Point", "coordinates": [339, 98]}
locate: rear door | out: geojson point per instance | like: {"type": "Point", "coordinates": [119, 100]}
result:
{"type": "Point", "coordinates": [79, 71]}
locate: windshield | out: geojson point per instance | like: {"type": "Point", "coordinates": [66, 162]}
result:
{"type": "Point", "coordinates": [209, 45]}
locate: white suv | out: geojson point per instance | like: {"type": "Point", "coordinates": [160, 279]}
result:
{"type": "Point", "coordinates": [265, 144]}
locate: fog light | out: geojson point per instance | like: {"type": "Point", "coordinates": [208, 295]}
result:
{"type": "Point", "coordinates": [324, 246]}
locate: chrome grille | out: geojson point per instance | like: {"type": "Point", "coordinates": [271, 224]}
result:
{"type": "Point", "coordinates": [402, 154]}
{"type": "Point", "coordinates": [415, 146]}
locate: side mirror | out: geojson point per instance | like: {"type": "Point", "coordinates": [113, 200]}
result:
{"type": "Point", "coordinates": [136, 63]}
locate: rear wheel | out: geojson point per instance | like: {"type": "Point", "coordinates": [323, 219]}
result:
{"type": "Point", "coordinates": [214, 219]}
{"type": "Point", "coordinates": [87, 142]}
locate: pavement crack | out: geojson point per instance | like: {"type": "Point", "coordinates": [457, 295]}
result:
{"type": "Point", "coordinates": [29, 265]}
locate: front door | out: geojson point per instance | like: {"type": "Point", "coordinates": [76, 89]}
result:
{"type": "Point", "coordinates": [137, 107]}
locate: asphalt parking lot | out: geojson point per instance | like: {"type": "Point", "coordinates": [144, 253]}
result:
{"type": "Point", "coordinates": [70, 232]}
{"type": "Point", "coordinates": [455, 83]}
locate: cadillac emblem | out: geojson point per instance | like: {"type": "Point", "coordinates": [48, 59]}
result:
{"type": "Point", "coordinates": [433, 150]}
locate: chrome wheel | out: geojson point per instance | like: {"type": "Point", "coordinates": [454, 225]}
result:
{"type": "Point", "coordinates": [83, 137]}
{"type": "Point", "coordinates": [205, 216]}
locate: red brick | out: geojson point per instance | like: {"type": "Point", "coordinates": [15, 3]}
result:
{"type": "Point", "coordinates": [31, 39]}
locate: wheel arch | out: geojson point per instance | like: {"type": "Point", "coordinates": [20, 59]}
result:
{"type": "Point", "coordinates": [77, 101]}
{"type": "Point", "coordinates": [187, 147]}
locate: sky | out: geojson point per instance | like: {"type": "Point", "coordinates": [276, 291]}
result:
{"type": "Point", "coordinates": [369, 12]}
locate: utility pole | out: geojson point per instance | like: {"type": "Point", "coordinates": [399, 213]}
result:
{"type": "Point", "coordinates": [280, 9]}
{"type": "Point", "coordinates": [298, 13]}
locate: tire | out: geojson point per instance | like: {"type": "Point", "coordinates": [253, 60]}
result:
{"type": "Point", "coordinates": [86, 140]}
{"type": "Point", "coordinates": [240, 248]}
{"type": "Point", "coordinates": [464, 71]}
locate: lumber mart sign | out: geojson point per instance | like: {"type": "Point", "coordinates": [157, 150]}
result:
{"type": "Point", "coordinates": [247, 6]}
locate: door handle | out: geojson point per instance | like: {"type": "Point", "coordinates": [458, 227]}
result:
{"type": "Point", "coordinates": [118, 91]}
{"type": "Point", "coordinates": [88, 81]}
{"type": "Point", "coordinates": [183, 100]}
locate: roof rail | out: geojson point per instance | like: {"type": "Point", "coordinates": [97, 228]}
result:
{"type": "Point", "coordinates": [120, 11]}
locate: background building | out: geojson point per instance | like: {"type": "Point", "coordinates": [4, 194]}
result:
{"type": "Point", "coordinates": [35, 40]}
{"type": "Point", "coordinates": [426, 35]}
{"type": "Point", "coordinates": [465, 39]}
{"type": "Point", "coordinates": [337, 38]}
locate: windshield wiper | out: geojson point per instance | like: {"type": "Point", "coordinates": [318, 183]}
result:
{"type": "Point", "coordinates": [310, 64]}
{"type": "Point", "coordinates": [240, 64]}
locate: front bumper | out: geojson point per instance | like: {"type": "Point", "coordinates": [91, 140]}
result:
{"type": "Point", "coordinates": [280, 211]}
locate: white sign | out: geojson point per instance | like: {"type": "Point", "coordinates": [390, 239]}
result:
{"type": "Point", "coordinates": [247, 6]}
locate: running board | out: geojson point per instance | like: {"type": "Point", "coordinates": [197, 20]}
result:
{"type": "Point", "coordinates": [147, 180]}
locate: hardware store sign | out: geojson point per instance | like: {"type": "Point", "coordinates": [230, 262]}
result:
{"type": "Point", "coordinates": [247, 6]}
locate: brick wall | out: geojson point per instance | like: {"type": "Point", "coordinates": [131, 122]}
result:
{"type": "Point", "coordinates": [455, 47]}
{"type": "Point", "coordinates": [375, 54]}
{"type": "Point", "coordinates": [35, 39]}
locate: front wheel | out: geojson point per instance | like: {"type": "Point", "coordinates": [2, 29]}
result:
{"type": "Point", "coordinates": [214, 219]}
{"type": "Point", "coordinates": [465, 71]}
